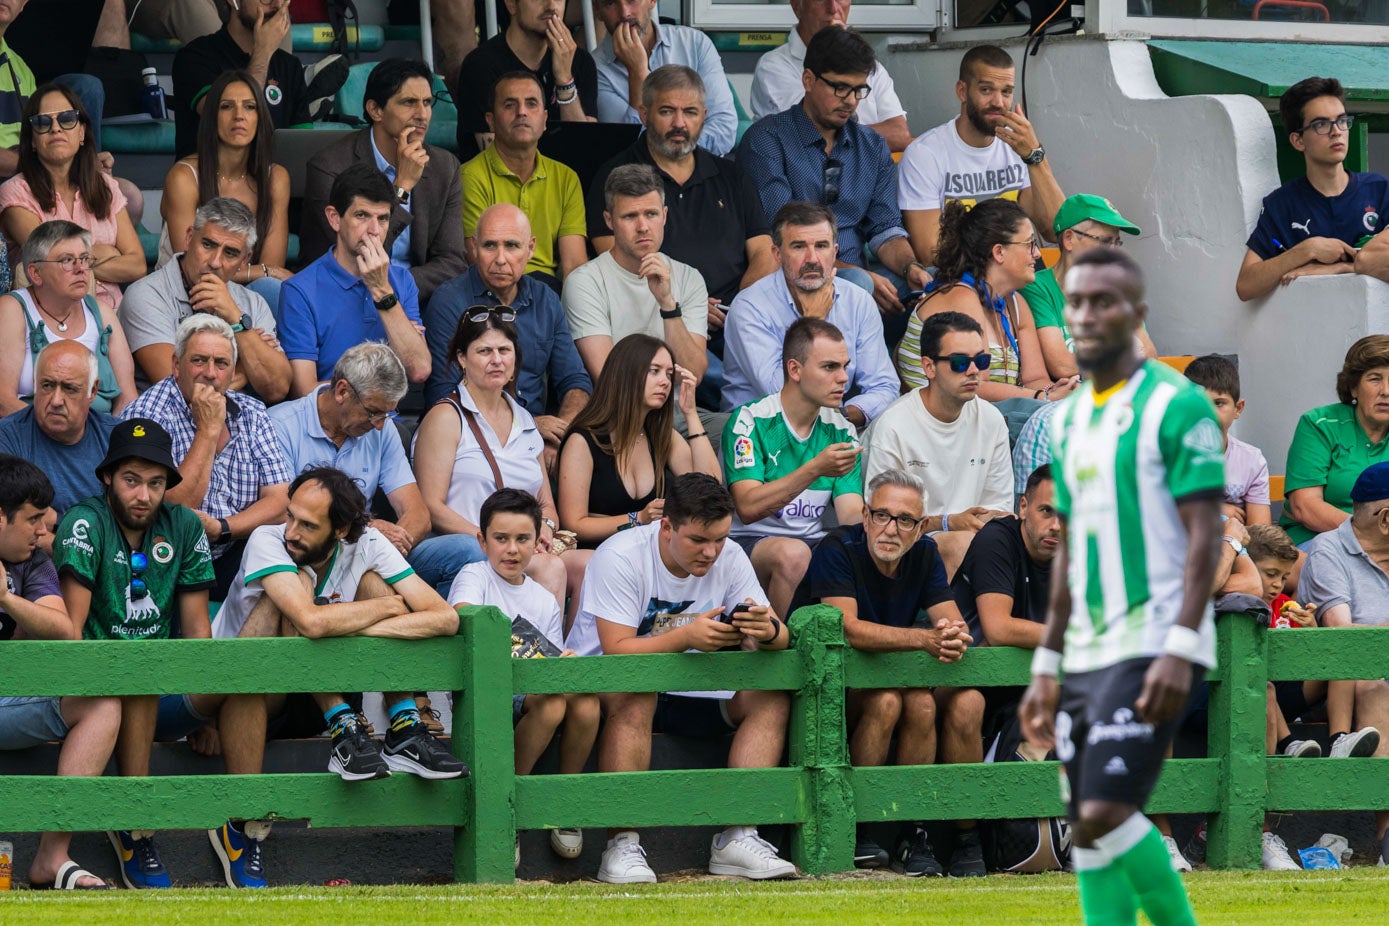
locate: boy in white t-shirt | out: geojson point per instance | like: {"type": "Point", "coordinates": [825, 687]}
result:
{"type": "Point", "coordinates": [671, 587]}
{"type": "Point", "coordinates": [509, 526]}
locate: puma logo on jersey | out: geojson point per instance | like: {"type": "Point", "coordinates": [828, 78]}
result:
{"type": "Point", "coordinates": [773, 456]}
{"type": "Point", "coordinates": [1305, 227]}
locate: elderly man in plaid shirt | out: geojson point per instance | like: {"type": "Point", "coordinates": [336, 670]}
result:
{"type": "Point", "coordinates": [235, 477]}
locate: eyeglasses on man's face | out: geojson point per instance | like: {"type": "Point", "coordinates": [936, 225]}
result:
{"type": "Point", "coordinates": [842, 90]}
{"type": "Point", "coordinates": [1342, 122]}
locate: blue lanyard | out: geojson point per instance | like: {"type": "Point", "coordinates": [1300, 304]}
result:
{"type": "Point", "coordinates": [999, 305]}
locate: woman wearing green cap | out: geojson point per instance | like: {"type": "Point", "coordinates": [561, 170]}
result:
{"type": "Point", "coordinates": [1084, 221]}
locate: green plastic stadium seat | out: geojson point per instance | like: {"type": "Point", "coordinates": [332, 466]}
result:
{"type": "Point", "coordinates": [745, 119]}
{"type": "Point", "coordinates": [139, 138]}
{"type": "Point", "coordinates": [151, 46]}
{"type": "Point", "coordinates": [443, 126]}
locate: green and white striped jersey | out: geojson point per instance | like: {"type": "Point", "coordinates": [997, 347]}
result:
{"type": "Point", "coordinates": [1121, 466]}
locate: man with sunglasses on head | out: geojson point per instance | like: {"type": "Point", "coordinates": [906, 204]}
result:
{"type": "Point", "coordinates": [1329, 220]}
{"type": "Point", "coordinates": [816, 151]}
{"type": "Point", "coordinates": [203, 279]}
{"type": "Point", "coordinates": [945, 436]}
{"type": "Point", "coordinates": [498, 280]}
{"type": "Point", "coordinates": [346, 423]}
{"type": "Point", "coordinates": [134, 566]}
{"type": "Point", "coordinates": [886, 577]}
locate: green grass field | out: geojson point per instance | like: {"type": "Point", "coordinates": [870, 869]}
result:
{"type": "Point", "coordinates": [1301, 899]}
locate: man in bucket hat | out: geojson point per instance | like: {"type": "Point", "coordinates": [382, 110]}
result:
{"type": "Point", "coordinates": [134, 568]}
{"type": "Point", "coordinates": [1082, 222]}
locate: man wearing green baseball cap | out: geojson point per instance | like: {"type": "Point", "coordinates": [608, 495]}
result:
{"type": "Point", "coordinates": [1084, 221]}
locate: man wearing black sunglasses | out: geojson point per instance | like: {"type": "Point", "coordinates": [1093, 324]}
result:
{"type": "Point", "coordinates": [949, 439]}
{"type": "Point", "coordinates": [1317, 224]}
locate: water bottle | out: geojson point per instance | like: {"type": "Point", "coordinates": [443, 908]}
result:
{"type": "Point", "coordinates": [152, 97]}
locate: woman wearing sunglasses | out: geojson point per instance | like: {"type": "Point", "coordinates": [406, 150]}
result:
{"type": "Point", "coordinates": [986, 254]}
{"type": "Point", "coordinates": [623, 446]}
{"type": "Point", "coordinates": [55, 305]}
{"type": "Point", "coordinates": [234, 158]}
{"type": "Point", "coordinates": [474, 442]}
{"type": "Point", "coordinates": [60, 178]}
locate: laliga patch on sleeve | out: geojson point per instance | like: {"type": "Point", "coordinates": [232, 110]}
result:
{"type": "Point", "coordinates": [742, 453]}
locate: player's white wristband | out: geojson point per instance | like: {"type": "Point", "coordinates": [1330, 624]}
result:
{"type": "Point", "coordinates": [1182, 642]}
{"type": "Point", "coordinates": [1046, 662]}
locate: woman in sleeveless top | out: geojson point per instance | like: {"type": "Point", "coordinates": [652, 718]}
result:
{"type": "Point", "coordinates": [473, 443]}
{"type": "Point", "coordinates": [234, 158]}
{"type": "Point", "coordinates": [60, 177]}
{"type": "Point", "coordinates": [623, 447]}
{"type": "Point", "coordinates": [985, 255]}
{"type": "Point", "coordinates": [56, 306]}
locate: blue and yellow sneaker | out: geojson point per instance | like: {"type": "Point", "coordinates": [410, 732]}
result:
{"type": "Point", "coordinates": [239, 851]}
{"type": "Point", "coordinates": [141, 868]}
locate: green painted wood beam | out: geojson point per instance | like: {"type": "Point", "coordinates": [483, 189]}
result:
{"type": "Point", "coordinates": [699, 797]}
{"type": "Point", "coordinates": [1009, 790]}
{"type": "Point", "coordinates": [1340, 784]}
{"type": "Point", "coordinates": [1329, 653]}
{"type": "Point", "coordinates": [665, 672]}
{"type": "Point", "coordinates": [38, 802]}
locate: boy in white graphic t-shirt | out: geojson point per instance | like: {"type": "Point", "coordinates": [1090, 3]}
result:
{"type": "Point", "coordinates": [509, 526]}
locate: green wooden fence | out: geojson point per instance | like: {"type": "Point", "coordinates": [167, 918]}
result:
{"type": "Point", "coordinates": [817, 792]}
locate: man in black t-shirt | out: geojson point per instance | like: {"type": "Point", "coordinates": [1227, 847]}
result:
{"type": "Point", "coordinates": [882, 574]}
{"type": "Point", "coordinates": [536, 40]}
{"type": "Point", "coordinates": [1003, 581]}
{"type": "Point", "coordinates": [250, 40]}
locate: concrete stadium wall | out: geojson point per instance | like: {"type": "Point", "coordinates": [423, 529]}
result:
{"type": "Point", "coordinates": [1191, 172]}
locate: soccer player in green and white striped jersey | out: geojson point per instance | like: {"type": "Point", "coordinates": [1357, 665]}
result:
{"type": "Point", "coordinates": [1139, 467]}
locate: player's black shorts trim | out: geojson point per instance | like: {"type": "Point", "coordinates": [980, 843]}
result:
{"type": "Point", "coordinates": [1109, 754]}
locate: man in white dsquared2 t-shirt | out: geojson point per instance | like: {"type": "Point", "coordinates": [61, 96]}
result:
{"type": "Point", "coordinates": [990, 150]}
{"type": "Point", "coordinates": [671, 587]}
{"type": "Point", "coordinates": [326, 573]}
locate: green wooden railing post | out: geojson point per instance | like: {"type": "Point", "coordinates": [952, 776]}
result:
{"type": "Point", "coordinates": [1237, 715]}
{"type": "Point", "coordinates": [819, 744]}
{"type": "Point", "coordinates": [483, 848]}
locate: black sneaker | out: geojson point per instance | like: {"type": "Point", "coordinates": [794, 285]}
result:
{"type": "Point", "coordinates": [967, 861]}
{"type": "Point", "coordinates": [868, 854]}
{"type": "Point", "coordinates": [914, 856]}
{"type": "Point", "coordinates": [356, 756]}
{"type": "Point", "coordinates": [413, 750]}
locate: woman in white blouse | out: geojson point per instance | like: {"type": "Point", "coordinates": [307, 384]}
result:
{"type": "Point", "coordinates": [475, 442]}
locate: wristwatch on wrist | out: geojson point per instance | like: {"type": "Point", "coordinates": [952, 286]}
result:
{"type": "Point", "coordinates": [225, 534]}
{"type": "Point", "coordinates": [673, 313]}
{"type": "Point", "coordinates": [386, 302]}
{"type": "Point", "coordinates": [1035, 156]}
{"type": "Point", "coordinates": [402, 195]}
{"type": "Point", "coordinates": [1234, 545]}
{"type": "Point", "coordinates": [242, 324]}
{"type": "Point", "coordinates": [550, 524]}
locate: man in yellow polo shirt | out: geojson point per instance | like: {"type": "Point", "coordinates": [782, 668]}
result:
{"type": "Point", "coordinates": [512, 171]}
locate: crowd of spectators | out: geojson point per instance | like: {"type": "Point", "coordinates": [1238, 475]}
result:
{"type": "Point", "coordinates": [844, 365]}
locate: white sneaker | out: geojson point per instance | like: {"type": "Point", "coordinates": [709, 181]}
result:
{"type": "Point", "coordinates": [1179, 862]}
{"type": "Point", "coordinates": [1302, 749]}
{"type": "Point", "coordinates": [567, 843]}
{"type": "Point", "coordinates": [1276, 855]}
{"type": "Point", "coordinates": [624, 861]}
{"type": "Point", "coordinates": [745, 854]}
{"type": "Point", "coordinates": [1357, 745]}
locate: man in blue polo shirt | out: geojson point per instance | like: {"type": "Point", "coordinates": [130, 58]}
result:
{"type": "Point", "coordinates": [1317, 224]}
{"type": "Point", "coordinates": [346, 424]}
{"type": "Point", "coordinates": [353, 293]}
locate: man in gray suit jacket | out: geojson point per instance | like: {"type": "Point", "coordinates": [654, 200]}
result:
{"type": "Point", "coordinates": [426, 232]}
